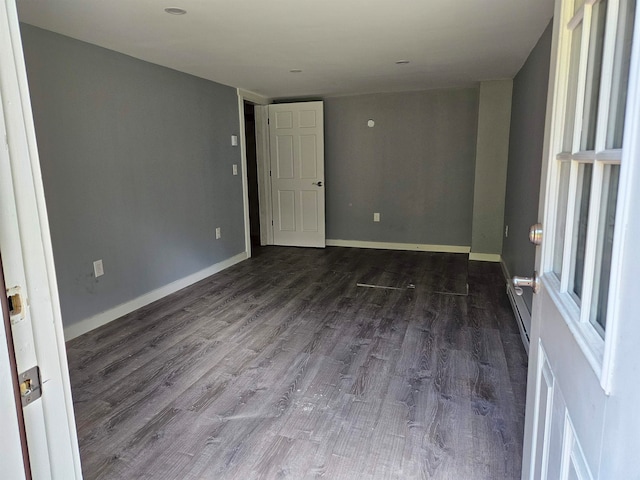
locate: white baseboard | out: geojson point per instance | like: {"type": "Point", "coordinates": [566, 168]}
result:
{"type": "Point", "coordinates": [88, 324]}
{"type": "Point", "coordinates": [485, 257]}
{"type": "Point", "coordinates": [399, 246]}
{"type": "Point", "coordinates": [520, 310]}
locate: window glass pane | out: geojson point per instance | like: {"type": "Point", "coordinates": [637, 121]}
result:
{"type": "Point", "coordinates": [622, 59]}
{"type": "Point", "coordinates": [577, 5]}
{"type": "Point", "coordinates": [605, 247]}
{"type": "Point", "coordinates": [572, 89]}
{"type": "Point", "coordinates": [561, 218]}
{"type": "Point", "coordinates": [594, 70]}
{"type": "Point", "coordinates": [581, 218]}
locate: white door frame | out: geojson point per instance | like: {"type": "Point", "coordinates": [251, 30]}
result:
{"type": "Point", "coordinates": [305, 209]}
{"type": "Point", "coordinates": [11, 451]}
{"type": "Point", "coordinates": [264, 174]}
{"type": "Point", "coordinates": [25, 243]}
{"type": "Point", "coordinates": [262, 158]}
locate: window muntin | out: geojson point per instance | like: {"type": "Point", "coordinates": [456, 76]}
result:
{"type": "Point", "coordinates": [598, 39]}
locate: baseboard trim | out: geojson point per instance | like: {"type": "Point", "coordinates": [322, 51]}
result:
{"type": "Point", "coordinates": [485, 257]}
{"type": "Point", "coordinates": [519, 307]}
{"type": "Point", "coordinates": [91, 323]}
{"type": "Point", "coordinates": [399, 246]}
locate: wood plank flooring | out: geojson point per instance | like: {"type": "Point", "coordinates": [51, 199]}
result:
{"type": "Point", "coordinates": [281, 367]}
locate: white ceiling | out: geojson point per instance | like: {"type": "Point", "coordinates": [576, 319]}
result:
{"type": "Point", "coordinates": [342, 46]}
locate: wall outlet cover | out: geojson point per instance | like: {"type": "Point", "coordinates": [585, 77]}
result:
{"type": "Point", "coordinates": [376, 217]}
{"type": "Point", "coordinates": [218, 233]}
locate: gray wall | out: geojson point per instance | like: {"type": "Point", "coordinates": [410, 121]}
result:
{"type": "Point", "coordinates": [492, 155]}
{"type": "Point", "coordinates": [415, 166]}
{"type": "Point", "coordinates": [525, 159]}
{"type": "Point", "coordinates": [136, 163]}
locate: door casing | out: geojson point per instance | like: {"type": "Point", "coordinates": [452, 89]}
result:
{"type": "Point", "coordinates": [25, 245]}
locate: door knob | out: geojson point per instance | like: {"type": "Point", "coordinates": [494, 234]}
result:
{"type": "Point", "coordinates": [519, 282]}
{"type": "Point", "coordinates": [319, 184]}
{"type": "Point", "coordinates": [535, 234]}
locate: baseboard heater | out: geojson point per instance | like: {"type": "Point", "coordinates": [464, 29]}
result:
{"type": "Point", "coordinates": [521, 312]}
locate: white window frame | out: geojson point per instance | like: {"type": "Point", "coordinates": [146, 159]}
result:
{"type": "Point", "coordinates": [597, 348]}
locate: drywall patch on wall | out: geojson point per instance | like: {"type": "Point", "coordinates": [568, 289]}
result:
{"type": "Point", "coordinates": [408, 156]}
{"type": "Point", "coordinates": [492, 155]}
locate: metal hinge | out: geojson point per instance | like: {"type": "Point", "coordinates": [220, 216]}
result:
{"type": "Point", "coordinates": [17, 305]}
{"type": "Point", "coordinates": [30, 386]}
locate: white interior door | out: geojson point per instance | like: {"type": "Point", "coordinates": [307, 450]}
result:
{"type": "Point", "coordinates": [592, 152]}
{"type": "Point", "coordinates": [25, 246]}
{"type": "Point", "coordinates": [296, 133]}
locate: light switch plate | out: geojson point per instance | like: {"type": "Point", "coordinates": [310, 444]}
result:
{"type": "Point", "coordinates": [98, 269]}
{"type": "Point", "coordinates": [218, 233]}
{"type": "Point", "coordinates": [234, 140]}
{"type": "Point", "coordinates": [376, 217]}
{"type": "Point", "coordinates": [235, 169]}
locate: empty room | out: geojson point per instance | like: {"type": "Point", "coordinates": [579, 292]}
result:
{"type": "Point", "coordinates": [336, 240]}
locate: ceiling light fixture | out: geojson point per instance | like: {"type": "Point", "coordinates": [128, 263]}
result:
{"type": "Point", "coordinates": [402, 62]}
{"type": "Point", "coordinates": [175, 11]}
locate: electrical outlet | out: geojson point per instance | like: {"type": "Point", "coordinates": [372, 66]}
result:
{"type": "Point", "coordinates": [235, 169]}
{"type": "Point", "coordinates": [506, 231]}
{"type": "Point", "coordinates": [218, 233]}
{"type": "Point", "coordinates": [98, 269]}
{"type": "Point", "coordinates": [376, 217]}
{"type": "Point", "coordinates": [234, 140]}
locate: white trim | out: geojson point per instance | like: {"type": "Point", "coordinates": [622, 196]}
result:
{"type": "Point", "coordinates": [263, 160]}
{"type": "Point", "coordinates": [245, 179]}
{"type": "Point", "coordinates": [253, 97]}
{"type": "Point", "coordinates": [28, 264]}
{"type": "Point", "coordinates": [257, 100]}
{"type": "Point", "coordinates": [623, 244]}
{"type": "Point", "coordinates": [585, 335]}
{"type": "Point", "coordinates": [399, 246]}
{"type": "Point", "coordinates": [11, 457]}
{"type": "Point", "coordinates": [88, 324]}
{"type": "Point", "coordinates": [547, 200]}
{"type": "Point", "coordinates": [485, 257]}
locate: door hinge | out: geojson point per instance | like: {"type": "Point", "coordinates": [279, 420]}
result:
{"type": "Point", "coordinates": [30, 385]}
{"type": "Point", "coordinates": [16, 305]}
{"type": "Point", "coordinates": [272, 223]}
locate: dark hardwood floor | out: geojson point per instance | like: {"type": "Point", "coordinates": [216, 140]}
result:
{"type": "Point", "coordinates": [281, 367]}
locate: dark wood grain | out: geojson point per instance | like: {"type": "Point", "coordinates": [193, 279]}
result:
{"type": "Point", "coordinates": [282, 367]}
